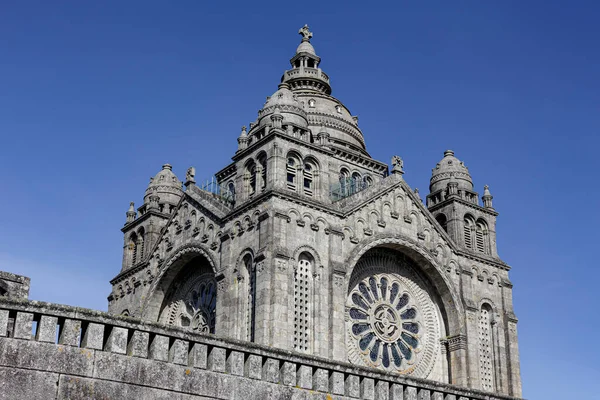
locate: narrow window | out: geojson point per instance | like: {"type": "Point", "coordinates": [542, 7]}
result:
{"type": "Point", "coordinates": [442, 220]}
{"type": "Point", "coordinates": [303, 303]}
{"type": "Point", "coordinates": [251, 300]}
{"type": "Point", "coordinates": [263, 170]}
{"type": "Point", "coordinates": [291, 169]}
{"type": "Point", "coordinates": [486, 346]}
{"type": "Point", "coordinates": [468, 228]}
{"type": "Point", "coordinates": [308, 179]}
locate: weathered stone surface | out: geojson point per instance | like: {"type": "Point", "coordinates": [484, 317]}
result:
{"type": "Point", "coordinates": [159, 348]}
{"type": "Point", "coordinates": [117, 340]}
{"type": "Point", "coordinates": [23, 326]}
{"type": "Point", "coordinates": [93, 338]}
{"type": "Point", "coordinates": [424, 394]}
{"type": "Point", "coordinates": [305, 375]}
{"type": "Point", "coordinates": [321, 380]}
{"type": "Point", "coordinates": [178, 353]}
{"type": "Point", "coordinates": [216, 359]}
{"type": "Point", "coordinates": [352, 386]}
{"type": "Point", "coordinates": [410, 393]}
{"type": "Point", "coordinates": [367, 389]}
{"type": "Point", "coordinates": [199, 356]}
{"type": "Point", "coordinates": [46, 357]}
{"type": "Point", "coordinates": [437, 396]}
{"type": "Point", "coordinates": [46, 330]}
{"type": "Point", "coordinates": [138, 345]}
{"type": "Point", "coordinates": [253, 367]}
{"type": "Point", "coordinates": [3, 323]}
{"type": "Point", "coordinates": [288, 374]}
{"type": "Point", "coordinates": [396, 392]}
{"type": "Point", "coordinates": [235, 363]}
{"type": "Point", "coordinates": [450, 397]}
{"type": "Point", "coordinates": [382, 390]}
{"type": "Point", "coordinates": [271, 370]}
{"type": "Point", "coordinates": [336, 383]}
{"type": "Point", "coordinates": [20, 384]}
{"type": "Point", "coordinates": [70, 333]}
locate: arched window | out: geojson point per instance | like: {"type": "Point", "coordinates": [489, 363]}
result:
{"type": "Point", "coordinates": [292, 165]}
{"type": "Point", "coordinates": [133, 248]}
{"type": "Point", "coordinates": [356, 183]}
{"type": "Point", "coordinates": [139, 246]}
{"type": "Point", "coordinates": [442, 220]}
{"type": "Point", "coordinates": [481, 236]}
{"type": "Point", "coordinates": [486, 348]}
{"type": "Point", "coordinates": [230, 195]}
{"type": "Point", "coordinates": [250, 177]}
{"type": "Point", "coordinates": [469, 226]}
{"type": "Point", "coordinates": [251, 298]}
{"type": "Point", "coordinates": [367, 181]}
{"type": "Point", "coordinates": [303, 279]}
{"type": "Point", "coordinates": [262, 161]}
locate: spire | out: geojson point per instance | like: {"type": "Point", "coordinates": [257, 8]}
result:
{"type": "Point", "coordinates": [243, 139]}
{"type": "Point", "coordinates": [487, 197]}
{"type": "Point", "coordinates": [131, 213]}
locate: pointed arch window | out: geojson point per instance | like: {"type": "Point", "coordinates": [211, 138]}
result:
{"type": "Point", "coordinates": [486, 348]}
{"type": "Point", "coordinates": [303, 286]}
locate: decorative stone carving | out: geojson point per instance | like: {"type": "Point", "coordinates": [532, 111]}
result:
{"type": "Point", "coordinates": [193, 305]}
{"type": "Point", "coordinates": [392, 321]}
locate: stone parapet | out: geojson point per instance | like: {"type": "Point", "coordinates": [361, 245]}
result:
{"type": "Point", "coordinates": [51, 351]}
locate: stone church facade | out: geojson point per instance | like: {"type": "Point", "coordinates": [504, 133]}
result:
{"type": "Point", "coordinates": [306, 244]}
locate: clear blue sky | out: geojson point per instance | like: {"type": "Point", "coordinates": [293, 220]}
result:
{"type": "Point", "coordinates": [95, 96]}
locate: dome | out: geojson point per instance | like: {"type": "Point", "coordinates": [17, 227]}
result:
{"type": "Point", "coordinates": [306, 47]}
{"type": "Point", "coordinates": [286, 102]}
{"type": "Point", "coordinates": [328, 112]}
{"type": "Point", "coordinates": [165, 185]}
{"type": "Point", "coordinates": [450, 169]}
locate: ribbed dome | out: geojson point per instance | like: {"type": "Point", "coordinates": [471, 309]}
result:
{"type": "Point", "coordinates": [286, 103]}
{"type": "Point", "coordinates": [306, 47]}
{"type": "Point", "coordinates": [165, 185]}
{"type": "Point", "coordinates": [450, 169]}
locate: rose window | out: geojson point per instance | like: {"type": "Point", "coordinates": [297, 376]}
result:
{"type": "Point", "coordinates": [391, 321]}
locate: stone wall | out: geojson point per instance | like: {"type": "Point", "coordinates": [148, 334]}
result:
{"type": "Point", "coordinates": [14, 286]}
{"type": "Point", "coordinates": [50, 351]}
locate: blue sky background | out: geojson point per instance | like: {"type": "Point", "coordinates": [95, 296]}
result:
{"type": "Point", "coordinates": [96, 96]}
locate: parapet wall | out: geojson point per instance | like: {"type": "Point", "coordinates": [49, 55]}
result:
{"type": "Point", "coordinates": [50, 351]}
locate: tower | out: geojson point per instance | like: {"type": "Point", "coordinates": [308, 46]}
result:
{"type": "Point", "coordinates": [306, 243]}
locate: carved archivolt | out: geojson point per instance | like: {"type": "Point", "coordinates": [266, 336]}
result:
{"type": "Point", "coordinates": [392, 322]}
{"type": "Point", "coordinates": [193, 305]}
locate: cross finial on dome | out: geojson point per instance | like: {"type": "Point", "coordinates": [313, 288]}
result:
{"type": "Point", "coordinates": [306, 33]}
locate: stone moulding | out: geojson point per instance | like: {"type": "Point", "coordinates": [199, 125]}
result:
{"type": "Point", "coordinates": [115, 354]}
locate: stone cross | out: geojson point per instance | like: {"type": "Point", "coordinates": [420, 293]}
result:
{"type": "Point", "coordinates": [306, 34]}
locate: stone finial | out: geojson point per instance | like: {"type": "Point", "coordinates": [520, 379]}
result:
{"type": "Point", "coordinates": [243, 138]}
{"type": "Point", "coordinates": [306, 33]}
{"type": "Point", "coordinates": [167, 166]}
{"type": "Point", "coordinates": [190, 176]}
{"type": "Point", "coordinates": [131, 212]}
{"type": "Point", "coordinates": [397, 165]}
{"type": "Point", "coordinates": [487, 197]}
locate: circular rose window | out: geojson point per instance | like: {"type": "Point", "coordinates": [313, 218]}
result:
{"type": "Point", "coordinates": [391, 324]}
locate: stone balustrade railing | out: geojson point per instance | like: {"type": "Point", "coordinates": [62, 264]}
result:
{"type": "Point", "coordinates": [54, 351]}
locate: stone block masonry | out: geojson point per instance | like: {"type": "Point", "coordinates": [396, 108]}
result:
{"type": "Point", "coordinates": [73, 353]}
